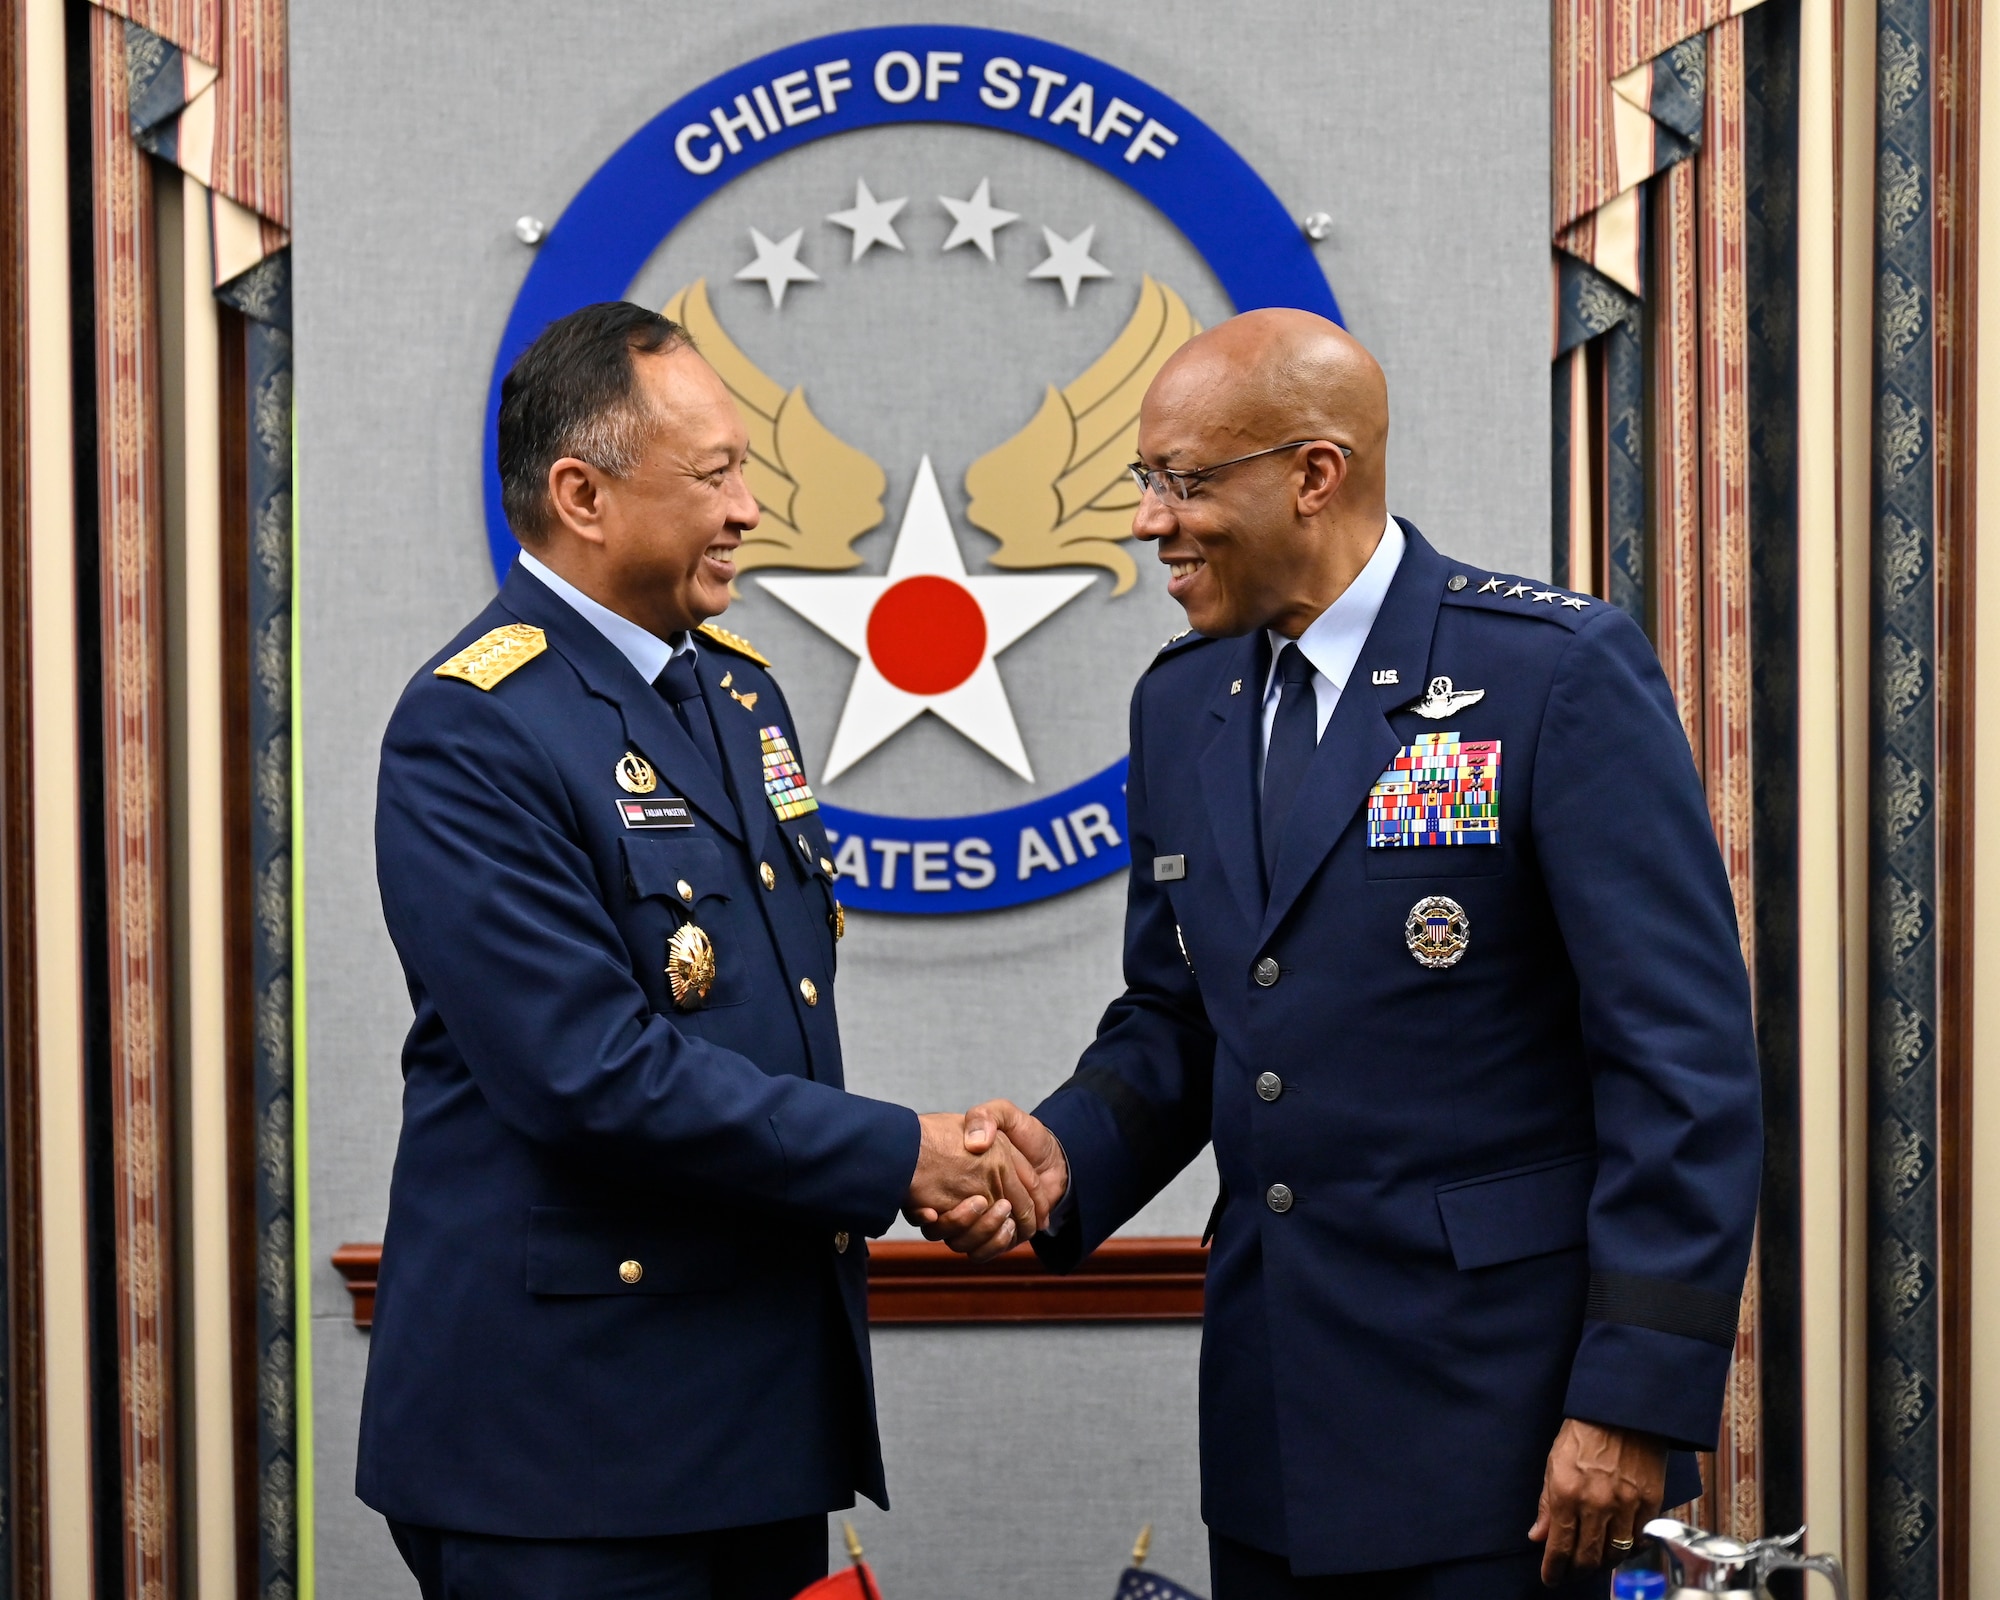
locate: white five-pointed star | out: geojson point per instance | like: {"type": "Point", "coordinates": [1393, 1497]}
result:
{"type": "Point", "coordinates": [1544, 594]}
{"type": "Point", "coordinates": [976, 220]}
{"type": "Point", "coordinates": [871, 220]}
{"type": "Point", "coordinates": [1574, 603]}
{"type": "Point", "coordinates": [1518, 589]}
{"type": "Point", "coordinates": [1490, 586]}
{"type": "Point", "coordinates": [1069, 261]}
{"type": "Point", "coordinates": [978, 706]}
{"type": "Point", "coordinates": [778, 265]}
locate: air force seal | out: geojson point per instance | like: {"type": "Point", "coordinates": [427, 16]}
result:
{"type": "Point", "coordinates": [982, 547]}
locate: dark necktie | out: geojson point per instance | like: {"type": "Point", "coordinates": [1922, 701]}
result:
{"type": "Point", "coordinates": [1294, 738]}
{"type": "Point", "coordinates": [683, 692]}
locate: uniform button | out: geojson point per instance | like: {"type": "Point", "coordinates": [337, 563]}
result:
{"type": "Point", "coordinates": [1456, 582]}
{"type": "Point", "coordinates": [836, 919]}
{"type": "Point", "coordinates": [685, 890]}
{"type": "Point", "coordinates": [840, 1243]}
{"type": "Point", "coordinates": [827, 867]}
{"type": "Point", "coordinates": [810, 990]}
{"type": "Point", "coordinates": [764, 872]}
{"type": "Point", "coordinates": [1278, 1198]}
{"type": "Point", "coordinates": [1269, 1086]}
{"type": "Point", "coordinates": [1266, 972]}
{"type": "Point", "coordinates": [805, 849]}
{"type": "Point", "coordinates": [631, 1271]}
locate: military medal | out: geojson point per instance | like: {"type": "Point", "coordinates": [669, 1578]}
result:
{"type": "Point", "coordinates": [785, 783]}
{"type": "Point", "coordinates": [1441, 789]}
{"type": "Point", "coordinates": [1437, 931]}
{"type": "Point", "coordinates": [690, 966]}
{"type": "Point", "coordinates": [635, 774]}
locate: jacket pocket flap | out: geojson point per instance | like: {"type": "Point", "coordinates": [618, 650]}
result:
{"type": "Point", "coordinates": [1509, 1216]}
{"type": "Point", "coordinates": [575, 1250]}
{"type": "Point", "coordinates": [662, 866]}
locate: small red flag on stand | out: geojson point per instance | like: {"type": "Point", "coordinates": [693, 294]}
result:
{"type": "Point", "coordinates": [856, 1583]}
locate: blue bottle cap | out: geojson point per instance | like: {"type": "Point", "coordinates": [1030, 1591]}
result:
{"type": "Point", "coordinates": [1638, 1583]}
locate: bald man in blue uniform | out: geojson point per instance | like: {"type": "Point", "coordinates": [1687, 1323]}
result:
{"type": "Point", "coordinates": [1428, 935]}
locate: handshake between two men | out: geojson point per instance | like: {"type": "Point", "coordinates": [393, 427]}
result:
{"type": "Point", "coordinates": [986, 1181]}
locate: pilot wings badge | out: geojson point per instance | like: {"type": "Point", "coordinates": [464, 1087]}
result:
{"type": "Point", "coordinates": [925, 632]}
{"type": "Point", "coordinates": [1441, 700]}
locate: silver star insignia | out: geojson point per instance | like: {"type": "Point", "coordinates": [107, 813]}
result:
{"type": "Point", "coordinates": [1518, 589]}
{"type": "Point", "coordinates": [1543, 594]}
{"type": "Point", "coordinates": [1490, 586]}
{"type": "Point", "coordinates": [1574, 603]}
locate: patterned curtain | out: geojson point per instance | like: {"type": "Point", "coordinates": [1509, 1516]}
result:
{"type": "Point", "coordinates": [200, 85]}
{"type": "Point", "coordinates": [1652, 428]}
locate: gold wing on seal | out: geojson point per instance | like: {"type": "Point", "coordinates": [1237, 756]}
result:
{"type": "Point", "coordinates": [1057, 494]}
{"type": "Point", "coordinates": [818, 493]}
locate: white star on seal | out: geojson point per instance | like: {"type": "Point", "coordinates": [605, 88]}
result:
{"type": "Point", "coordinates": [975, 221]}
{"type": "Point", "coordinates": [1069, 261]}
{"type": "Point", "coordinates": [870, 220]}
{"type": "Point", "coordinates": [778, 265]}
{"type": "Point", "coordinates": [990, 613]}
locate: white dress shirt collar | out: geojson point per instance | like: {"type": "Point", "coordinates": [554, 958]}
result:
{"type": "Point", "coordinates": [647, 652]}
{"type": "Point", "coordinates": [1332, 641]}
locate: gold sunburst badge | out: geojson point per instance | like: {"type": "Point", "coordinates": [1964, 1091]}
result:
{"type": "Point", "coordinates": [690, 966]}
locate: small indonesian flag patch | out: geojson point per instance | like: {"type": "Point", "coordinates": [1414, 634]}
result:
{"type": "Point", "coordinates": [1437, 791]}
{"type": "Point", "coordinates": [785, 783]}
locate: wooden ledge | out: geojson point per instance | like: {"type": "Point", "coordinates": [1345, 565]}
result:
{"type": "Point", "coordinates": [912, 1281]}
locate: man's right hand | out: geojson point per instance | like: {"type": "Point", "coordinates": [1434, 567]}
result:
{"type": "Point", "coordinates": [971, 1228]}
{"type": "Point", "coordinates": [992, 1182]}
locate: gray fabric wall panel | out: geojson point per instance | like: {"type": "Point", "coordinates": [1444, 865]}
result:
{"type": "Point", "coordinates": [423, 130]}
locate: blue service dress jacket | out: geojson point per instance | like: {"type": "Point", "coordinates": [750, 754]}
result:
{"type": "Point", "coordinates": [1460, 1200]}
{"type": "Point", "coordinates": [624, 1279]}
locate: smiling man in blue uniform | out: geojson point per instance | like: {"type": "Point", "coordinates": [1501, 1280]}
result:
{"type": "Point", "coordinates": [1428, 933]}
{"type": "Point", "coordinates": [620, 1340]}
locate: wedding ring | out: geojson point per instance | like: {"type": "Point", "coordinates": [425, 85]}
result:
{"type": "Point", "coordinates": [1621, 1545]}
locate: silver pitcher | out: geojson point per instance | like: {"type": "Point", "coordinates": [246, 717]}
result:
{"type": "Point", "coordinates": [1701, 1563]}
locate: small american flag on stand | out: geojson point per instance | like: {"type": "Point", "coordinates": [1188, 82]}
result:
{"type": "Point", "coordinates": [856, 1583]}
{"type": "Point", "coordinates": [1135, 1583]}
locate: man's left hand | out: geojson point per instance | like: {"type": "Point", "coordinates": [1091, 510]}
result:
{"type": "Point", "coordinates": [1602, 1484]}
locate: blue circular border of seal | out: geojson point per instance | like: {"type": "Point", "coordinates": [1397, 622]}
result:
{"type": "Point", "coordinates": [643, 192]}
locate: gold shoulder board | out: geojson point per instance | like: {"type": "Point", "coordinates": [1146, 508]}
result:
{"type": "Point", "coordinates": [485, 661]}
{"type": "Point", "coordinates": [732, 641]}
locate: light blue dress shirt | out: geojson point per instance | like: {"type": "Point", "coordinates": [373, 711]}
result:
{"type": "Point", "coordinates": [647, 652]}
{"type": "Point", "coordinates": [1332, 641]}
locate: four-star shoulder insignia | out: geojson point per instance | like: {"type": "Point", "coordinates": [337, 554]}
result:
{"type": "Point", "coordinates": [1509, 588]}
{"type": "Point", "coordinates": [488, 659]}
{"type": "Point", "coordinates": [732, 641]}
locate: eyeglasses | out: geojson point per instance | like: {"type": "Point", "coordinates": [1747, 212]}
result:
{"type": "Point", "coordinates": [1160, 479]}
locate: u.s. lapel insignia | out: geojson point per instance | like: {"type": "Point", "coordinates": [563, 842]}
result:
{"type": "Point", "coordinates": [1437, 931]}
{"type": "Point", "coordinates": [690, 966]}
{"type": "Point", "coordinates": [635, 774]}
{"type": "Point", "coordinates": [1442, 700]}
{"type": "Point", "coordinates": [785, 783]}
